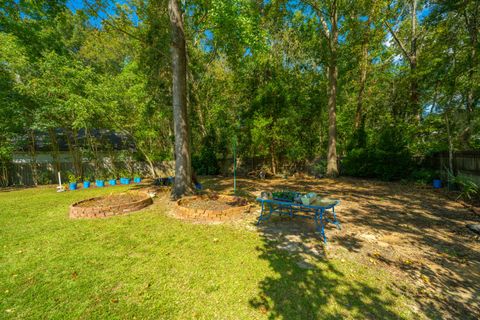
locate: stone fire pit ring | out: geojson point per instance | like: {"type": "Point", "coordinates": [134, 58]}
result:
{"type": "Point", "coordinates": [93, 208]}
{"type": "Point", "coordinates": [183, 211]}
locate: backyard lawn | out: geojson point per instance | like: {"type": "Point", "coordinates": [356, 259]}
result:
{"type": "Point", "coordinates": [150, 265]}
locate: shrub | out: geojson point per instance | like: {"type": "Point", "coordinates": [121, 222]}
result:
{"type": "Point", "coordinates": [387, 158]}
{"type": "Point", "coordinates": [424, 176]}
{"type": "Point", "coordinates": [469, 189]}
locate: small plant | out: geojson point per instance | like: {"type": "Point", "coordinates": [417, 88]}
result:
{"type": "Point", "coordinates": [101, 176]}
{"type": "Point", "coordinates": [468, 188]}
{"type": "Point", "coordinates": [72, 178]}
{"type": "Point", "coordinates": [137, 175]}
{"type": "Point", "coordinates": [284, 195]}
{"type": "Point", "coordinates": [88, 176]}
{"type": "Point", "coordinates": [319, 168]}
{"type": "Point", "coordinates": [125, 174]}
{"type": "Point", "coordinates": [424, 176]}
{"type": "Point", "coordinates": [44, 178]}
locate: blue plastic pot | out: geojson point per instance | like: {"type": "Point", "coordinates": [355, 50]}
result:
{"type": "Point", "coordinates": [72, 186]}
{"type": "Point", "coordinates": [124, 180]}
{"type": "Point", "coordinates": [137, 179]}
{"type": "Point", "coordinates": [112, 182]}
{"type": "Point", "coordinates": [437, 184]}
{"type": "Point", "coordinates": [100, 183]}
{"type": "Point", "coordinates": [86, 184]}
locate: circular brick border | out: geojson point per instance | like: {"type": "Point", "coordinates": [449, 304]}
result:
{"type": "Point", "coordinates": [202, 215]}
{"type": "Point", "coordinates": [108, 211]}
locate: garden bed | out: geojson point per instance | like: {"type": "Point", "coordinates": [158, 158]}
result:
{"type": "Point", "coordinates": [211, 208]}
{"type": "Point", "coordinates": [111, 205]}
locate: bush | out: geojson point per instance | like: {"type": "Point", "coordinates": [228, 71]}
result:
{"type": "Point", "coordinates": [469, 189]}
{"type": "Point", "coordinates": [424, 176]}
{"type": "Point", "coordinates": [205, 161]}
{"type": "Point", "coordinates": [319, 168]}
{"type": "Point", "coordinates": [44, 177]}
{"type": "Point", "coordinates": [387, 158]}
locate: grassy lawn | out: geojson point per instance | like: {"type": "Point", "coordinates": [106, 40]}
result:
{"type": "Point", "coordinates": [148, 265]}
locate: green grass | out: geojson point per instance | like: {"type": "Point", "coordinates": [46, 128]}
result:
{"type": "Point", "coordinates": [147, 265]}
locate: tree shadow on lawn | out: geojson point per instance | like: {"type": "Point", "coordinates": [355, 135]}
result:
{"type": "Point", "coordinates": [306, 285]}
{"type": "Point", "coordinates": [415, 224]}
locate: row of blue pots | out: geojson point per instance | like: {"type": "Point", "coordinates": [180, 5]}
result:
{"type": "Point", "coordinates": [101, 183]}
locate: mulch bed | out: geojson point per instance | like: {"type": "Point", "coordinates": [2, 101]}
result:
{"type": "Point", "coordinates": [214, 202]}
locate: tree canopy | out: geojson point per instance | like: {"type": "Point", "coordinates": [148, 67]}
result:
{"type": "Point", "coordinates": [381, 84]}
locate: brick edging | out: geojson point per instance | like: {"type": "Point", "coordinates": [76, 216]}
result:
{"type": "Point", "coordinates": [206, 215]}
{"type": "Point", "coordinates": [108, 211]}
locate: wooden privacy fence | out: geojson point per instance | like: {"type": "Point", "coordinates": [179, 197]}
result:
{"type": "Point", "coordinates": [464, 162]}
{"type": "Point", "coordinates": [14, 174]}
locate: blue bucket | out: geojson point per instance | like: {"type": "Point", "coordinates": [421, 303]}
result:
{"type": "Point", "coordinates": [86, 184]}
{"type": "Point", "coordinates": [437, 184]}
{"type": "Point", "coordinates": [112, 182]}
{"type": "Point", "coordinates": [124, 181]}
{"type": "Point", "coordinates": [100, 183]}
{"type": "Point", "coordinates": [137, 179]}
{"type": "Point", "coordinates": [72, 186]}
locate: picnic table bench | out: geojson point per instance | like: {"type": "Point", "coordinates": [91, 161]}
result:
{"type": "Point", "coordinates": [316, 210]}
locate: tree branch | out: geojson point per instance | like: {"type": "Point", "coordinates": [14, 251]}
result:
{"type": "Point", "coordinates": [398, 41]}
{"type": "Point", "coordinates": [325, 31]}
{"type": "Point", "coordinates": [115, 27]}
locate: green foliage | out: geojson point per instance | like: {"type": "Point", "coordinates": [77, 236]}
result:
{"type": "Point", "coordinates": [424, 176]}
{"type": "Point", "coordinates": [386, 157]}
{"type": "Point", "coordinates": [44, 178]}
{"type": "Point", "coordinates": [257, 73]}
{"type": "Point", "coordinates": [284, 195]}
{"type": "Point", "coordinates": [469, 189]}
{"type": "Point", "coordinates": [72, 178]}
{"type": "Point", "coordinates": [319, 168]}
{"type": "Point", "coordinates": [125, 174]}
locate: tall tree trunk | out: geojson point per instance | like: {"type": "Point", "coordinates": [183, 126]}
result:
{"type": "Point", "coordinates": [332, 166]}
{"type": "Point", "coordinates": [92, 141]}
{"type": "Point", "coordinates": [33, 158]}
{"type": "Point", "coordinates": [273, 160]}
{"type": "Point", "coordinates": [183, 169]}
{"type": "Point", "coordinates": [55, 151]}
{"type": "Point", "coordinates": [450, 142]}
{"type": "Point", "coordinates": [414, 95]}
{"type": "Point", "coordinates": [472, 17]}
{"type": "Point", "coordinates": [72, 142]}
{"type": "Point", "coordinates": [363, 75]}
{"type": "Point", "coordinates": [411, 54]}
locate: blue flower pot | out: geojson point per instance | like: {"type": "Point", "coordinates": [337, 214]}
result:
{"type": "Point", "coordinates": [112, 182]}
{"type": "Point", "coordinates": [124, 180]}
{"type": "Point", "coordinates": [137, 180]}
{"type": "Point", "coordinates": [437, 184]}
{"type": "Point", "coordinates": [86, 184]}
{"type": "Point", "coordinates": [72, 186]}
{"type": "Point", "coordinates": [100, 183]}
